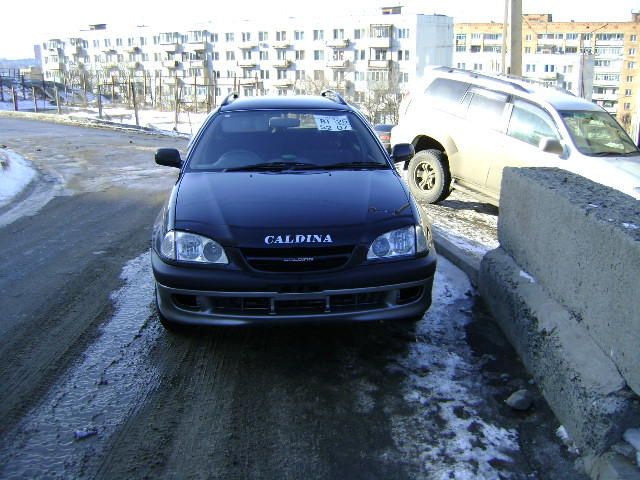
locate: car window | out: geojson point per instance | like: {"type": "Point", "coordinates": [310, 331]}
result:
{"type": "Point", "coordinates": [530, 123]}
{"type": "Point", "coordinates": [446, 94]}
{"type": "Point", "coordinates": [487, 108]}
{"type": "Point", "coordinates": [597, 133]}
{"type": "Point", "coordinates": [309, 138]}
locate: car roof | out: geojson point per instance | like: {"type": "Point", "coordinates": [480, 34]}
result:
{"type": "Point", "coordinates": [557, 98]}
{"type": "Point", "coordinates": [285, 102]}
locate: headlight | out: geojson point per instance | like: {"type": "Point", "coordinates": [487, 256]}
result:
{"type": "Point", "coordinates": [189, 247]}
{"type": "Point", "coordinates": [397, 243]}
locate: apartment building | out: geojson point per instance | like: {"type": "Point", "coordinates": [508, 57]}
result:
{"type": "Point", "coordinates": [352, 54]}
{"type": "Point", "coordinates": [597, 60]}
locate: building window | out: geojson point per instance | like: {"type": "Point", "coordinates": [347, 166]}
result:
{"type": "Point", "coordinates": [231, 56]}
{"type": "Point", "coordinates": [359, 76]}
{"type": "Point", "coordinates": [281, 54]}
{"type": "Point", "coordinates": [246, 36]}
{"type": "Point", "coordinates": [477, 67]}
{"type": "Point", "coordinates": [627, 92]}
{"type": "Point", "coordinates": [298, 35]}
{"type": "Point", "coordinates": [631, 65]}
{"type": "Point", "coordinates": [300, 75]}
{"type": "Point", "coordinates": [118, 42]}
{"type": "Point", "coordinates": [461, 48]}
{"type": "Point", "coordinates": [462, 65]}
{"type": "Point", "coordinates": [246, 54]}
{"type": "Point", "coordinates": [281, 36]}
{"type": "Point", "coordinates": [318, 75]}
{"type": "Point", "coordinates": [476, 36]}
{"type": "Point", "coordinates": [629, 78]}
{"type": "Point", "coordinates": [572, 36]}
{"type": "Point", "coordinates": [531, 68]}
{"type": "Point", "coordinates": [527, 49]}
{"type": "Point", "coordinates": [634, 38]}
{"type": "Point", "coordinates": [338, 34]}
{"type": "Point", "coordinates": [263, 36]}
{"type": "Point", "coordinates": [527, 37]}
{"type": "Point", "coordinates": [318, 34]}
{"type": "Point", "coordinates": [358, 33]}
{"type": "Point", "coordinates": [404, 33]}
{"type": "Point", "coordinates": [214, 37]}
{"type": "Point", "coordinates": [264, 55]}
{"type": "Point", "coordinates": [229, 37]}
{"type": "Point", "coordinates": [493, 36]}
{"type": "Point", "coordinates": [609, 36]}
{"type": "Point", "coordinates": [318, 55]}
{"type": "Point", "coordinates": [627, 106]}
{"type": "Point", "coordinates": [549, 68]}
{"type": "Point", "coordinates": [461, 37]}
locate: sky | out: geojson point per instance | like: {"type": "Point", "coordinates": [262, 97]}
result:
{"type": "Point", "coordinates": [24, 24]}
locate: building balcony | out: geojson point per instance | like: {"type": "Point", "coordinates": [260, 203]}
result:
{"type": "Point", "coordinates": [134, 65]}
{"type": "Point", "coordinates": [248, 81]}
{"type": "Point", "coordinates": [172, 47]}
{"type": "Point", "coordinates": [283, 83]}
{"type": "Point", "coordinates": [133, 49]}
{"type": "Point", "coordinates": [196, 47]}
{"type": "Point", "coordinates": [381, 42]}
{"type": "Point", "coordinates": [198, 63]}
{"type": "Point", "coordinates": [338, 63]}
{"type": "Point", "coordinates": [337, 43]}
{"type": "Point", "coordinates": [612, 97]}
{"type": "Point", "coordinates": [283, 44]}
{"type": "Point", "coordinates": [380, 64]}
{"type": "Point", "coordinates": [248, 45]}
{"type": "Point", "coordinates": [281, 63]}
{"type": "Point", "coordinates": [247, 63]}
{"type": "Point", "coordinates": [170, 64]}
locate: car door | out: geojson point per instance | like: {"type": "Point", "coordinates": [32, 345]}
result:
{"type": "Point", "coordinates": [479, 137]}
{"type": "Point", "coordinates": [528, 124]}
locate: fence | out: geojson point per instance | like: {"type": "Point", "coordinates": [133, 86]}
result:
{"type": "Point", "coordinates": [113, 96]}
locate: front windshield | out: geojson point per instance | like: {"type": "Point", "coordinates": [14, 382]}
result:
{"type": "Point", "coordinates": [598, 134]}
{"type": "Point", "coordinates": [286, 139]}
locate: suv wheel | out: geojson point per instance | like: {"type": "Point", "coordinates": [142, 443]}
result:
{"type": "Point", "coordinates": [428, 176]}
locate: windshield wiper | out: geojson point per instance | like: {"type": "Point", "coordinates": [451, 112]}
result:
{"type": "Point", "coordinates": [615, 154]}
{"type": "Point", "coordinates": [272, 166]}
{"type": "Point", "coordinates": [348, 165]}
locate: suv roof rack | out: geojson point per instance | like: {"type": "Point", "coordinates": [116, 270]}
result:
{"type": "Point", "coordinates": [333, 95]}
{"type": "Point", "coordinates": [538, 82]}
{"type": "Point", "coordinates": [229, 98]}
{"type": "Point", "coordinates": [482, 76]}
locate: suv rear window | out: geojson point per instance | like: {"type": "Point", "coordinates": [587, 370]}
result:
{"type": "Point", "coordinates": [446, 94]}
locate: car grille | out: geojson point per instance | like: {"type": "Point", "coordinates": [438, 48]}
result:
{"type": "Point", "coordinates": [313, 305]}
{"type": "Point", "coordinates": [295, 260]}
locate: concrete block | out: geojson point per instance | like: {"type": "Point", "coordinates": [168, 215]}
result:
{"type": "Point", "coordinates": [579, 381]}
{"type": "Point", "coordinates": [581, 241]}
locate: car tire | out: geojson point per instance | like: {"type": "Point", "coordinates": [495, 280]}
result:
{"type": "Point", "coordinates": [428, 176]}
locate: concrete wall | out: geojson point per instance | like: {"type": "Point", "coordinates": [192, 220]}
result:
{"type": "Point", "coordinates": [565, 287]}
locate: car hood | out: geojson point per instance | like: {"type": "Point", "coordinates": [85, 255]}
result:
{"type": "Point", "coordinates": [292, 208]}
{"type": "Point", "coordinates": [621, 173]}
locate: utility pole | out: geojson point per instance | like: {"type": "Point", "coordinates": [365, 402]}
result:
{"type": "Point", "coordinates": [512, 38]}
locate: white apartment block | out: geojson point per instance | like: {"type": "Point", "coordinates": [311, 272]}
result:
{"type": "Point", "coordinates": [572, 72]}
{"type": "Point", "coordinates": [351, 54]}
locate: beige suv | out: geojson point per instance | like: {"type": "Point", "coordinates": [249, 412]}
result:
{"type": "Point", "coordinates": [467, 127]}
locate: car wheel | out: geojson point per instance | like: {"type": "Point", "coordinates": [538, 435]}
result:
{"type": "Point", "coordinates": [428, 176]}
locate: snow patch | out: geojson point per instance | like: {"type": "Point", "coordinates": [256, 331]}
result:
{"type": "Point", "coordinates": [526, 276]}
{"type": "Point", "coordinates": [630, 226]}
{"type": "Point", "coordinates": [447, 433]}
{"type": "Point", "coordinates": [15, 174]}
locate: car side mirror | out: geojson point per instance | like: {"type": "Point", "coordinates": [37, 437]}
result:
{"type": "Point", "coordinates": [550, 145]}
{"type": "Point", "coordinates": [168, 157]}
{"type": "Point", "coordinates": [402, 152]}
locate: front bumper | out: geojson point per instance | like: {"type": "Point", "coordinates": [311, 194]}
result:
{"type": "Point", "coordinates": [384, 291]}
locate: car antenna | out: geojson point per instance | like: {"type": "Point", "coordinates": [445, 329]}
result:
{"type": "Point", "coordinates": [229, 98]}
